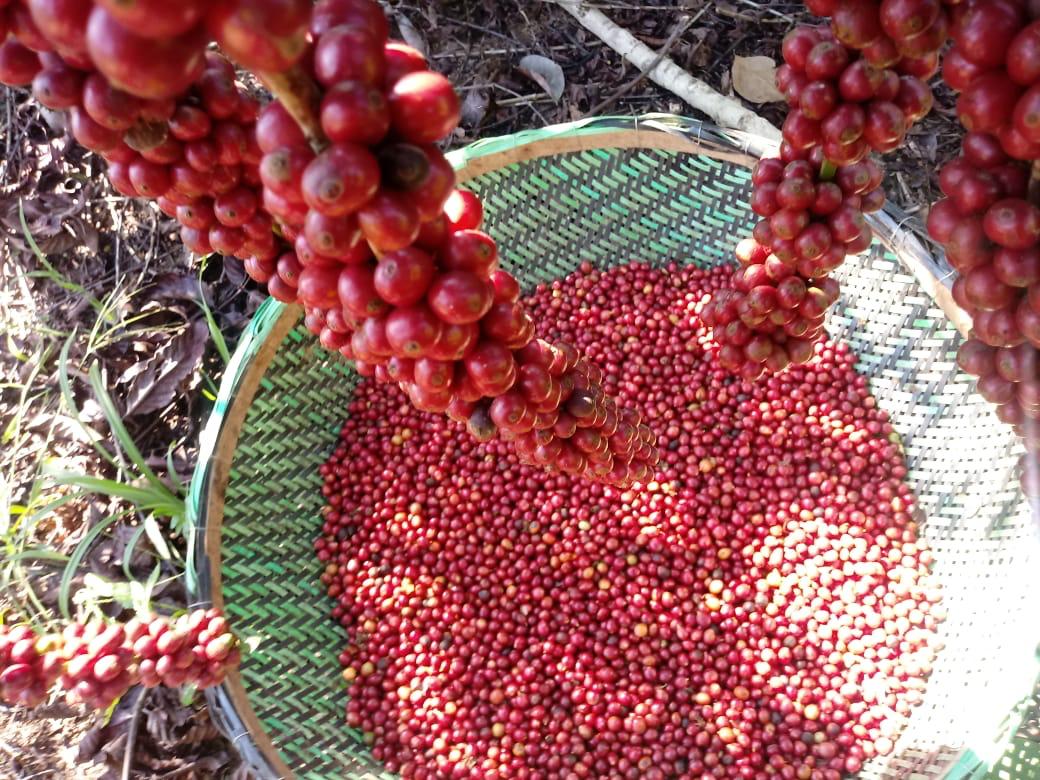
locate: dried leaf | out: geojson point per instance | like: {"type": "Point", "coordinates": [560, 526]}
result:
{"type": "Point", "coordinates": [754, 79]}
{"type": "Point", "coordinates": [545, 73]}
{"type": "Point", "coordinates": [156, 386]}
{"type": "Point", "coordinates": [411, 34]}
{"type": "Point", "coordinates": [175, 286]}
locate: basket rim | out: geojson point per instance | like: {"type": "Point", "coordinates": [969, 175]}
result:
{"type": "Point", "coordinates": [229, 703]}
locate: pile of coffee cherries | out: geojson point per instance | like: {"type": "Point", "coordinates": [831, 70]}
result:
{"type": "Point", "coordinates": [96, 662]}
{"type": "Point", "coordinates": [762, 608]}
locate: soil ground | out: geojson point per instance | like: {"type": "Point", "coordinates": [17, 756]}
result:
{"type": "Point", "coordinates": [118, 292]}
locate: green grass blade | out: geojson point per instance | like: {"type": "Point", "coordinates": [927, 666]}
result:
{"type": "Point", "coordinates": [128, 553]}
{"type": "Point", "coordinates": [77, 557]}
{"type": "Point", "coordinates": [51, 272]}
{"type": "Point", "coordinates": [155, 536]}
{"type": "Point", "coordinates": [37, 554]}
{"type": "Point", "coordinates": [160, 500]}
{"type": "Point", "coordinates": [214, 329]}
{"type": "Point", "coordinates": [70, 402]}
{"type": "Point", "coordinates": [115, 422]}
{"type": "Point", "coordinates": [171, 472]}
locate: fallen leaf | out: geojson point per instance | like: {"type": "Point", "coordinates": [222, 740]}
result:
{"type": "Point", "coordinates": [176, 286]}
{"type": "Point", "coordinates": [754, 79]}
{"type": "Point", "coordinates": [411, 34]}
{"type": "Point", "coordinates": [545, 73]}
{"type": "Point", "coordinates": [154, 387]}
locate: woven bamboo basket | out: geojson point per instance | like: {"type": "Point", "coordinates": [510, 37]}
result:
{"type": "Point", "coordinates": [656, 189]}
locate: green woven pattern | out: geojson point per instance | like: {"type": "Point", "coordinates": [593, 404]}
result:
{"type": "Point", "coordinates": [270, 574]}
{"type": "Point", "coordinates": [608, 207]}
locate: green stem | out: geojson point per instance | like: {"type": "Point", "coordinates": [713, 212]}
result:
{"type": "Point", "coordinates": [828, 171]}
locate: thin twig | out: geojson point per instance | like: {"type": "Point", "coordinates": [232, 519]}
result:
{"type": "Point", "coordinates": [661, 54]}
{"type": "Point", "coordinates": [726, 111]}
{"type": "Point", "coordinates": [131, 736]}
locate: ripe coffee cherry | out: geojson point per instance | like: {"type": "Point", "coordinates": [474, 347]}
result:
{"type": "Point", "coordinates": [156, 18]}
{"type": "Point", "coordinates": [454, 342]}
{"type": "Point", "coordinates": [282, 171]}
{"type": "Point", "coordinates": [1027, 115]}
{"type": "Point", "coordinates": [1023, 56]}
{"type": "Point", "coordinates": [1013, 223]}
{"type": "Point", "coordinates": [463, 210]}
{"type": "Point", "coordinates": [18, 64]}
{"type": "Point", "coordinates": [276, 129]}
{"type": "Point", "coordinates": [197, 215]}
{"type": "Point", "coordinates": [318, 286]}
{"type": "Point", "coordinates": [423, 107]}
{"type": "Point", "coordinates": [984, 31]}
{"type": "Point", "coordinates": [349, 53]}
{"type": "Point", "coordinates": [235, 208]}
{"type": "Point", "coordinates": [144, 67]}
{"type": "Point", "coordinates": [412, 330]}
{"type": "Point", "coordinates": [470, 250]}
{"type": "Point", "coordinates": [491, 367]}
{"type": "Point", "coordinates": [1017, 267]}
{"type": "Point", "coordinates": [429, 193]}
{"type": "Point", "coordinates": [403, 277]}
{"type": "Point", "coordinates": [988, 102]}
{"type": "Point", "coordinates": [340, 180]}
{"type": "Point", "coordinates": [460, 297]}
{"type": "Point", "coordinates": [333, 237]}
{"type": "Point", "coordinates": [401, 59]}
{"type": "Point", "coordinates": [389, 221]}
{"type": "Point", "coordinates": [62, 22]}
{"type": "Point", "coordinates": [902, 19]}
{"type": "Point", "coordinates": [885, 127]}
{"type": "Point", "coordinates": [366, 14]}
{"type": "Point", "coordinates": [857, 25]}
{"type": "Point", "coordinates": [915, 98]}
{"type": "Point", "coordinates": [357, 292]}
{"type": "Point", "coordinates": [260, 35]}
{"type": "Point", "coordinates": [826, 61]}
{"type": "Point", "coordinates": [356, 112]}
{"type": "Point", "coordinates": [57, 88]}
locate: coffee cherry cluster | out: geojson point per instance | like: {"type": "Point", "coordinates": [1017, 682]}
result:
{"type": "Point", "coordinates": [196, 648]}
{"type": "Point", "coordinates": [851, 91]}
{"type": "Point", "coordinates": [99, 663]}
{"type": "Point", "coordinates": [994, 65]}
{"type": "Point", "coordinates": [96, 662]}
{"type": "Point", "coordinates": [393, 270]}
{"type": "Point", "coordinates": [192, 148]}
{"type": "Point", "coordinates": [212, 181]}
{"type": "Point", "coordinates": [774, 312]}
{"type": "Point", "coordinates": [763, 608]}
{"type": "Point", "coordinates": [988, 222]}
{"type": "Point", "coordinates": [150, 49]}
{"type": "Point", "coordinates": [29, 665]}
{"type": "Point", "coordinates": [905, 34]}
{"type": "Point", "coordinates": [842, 102]}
